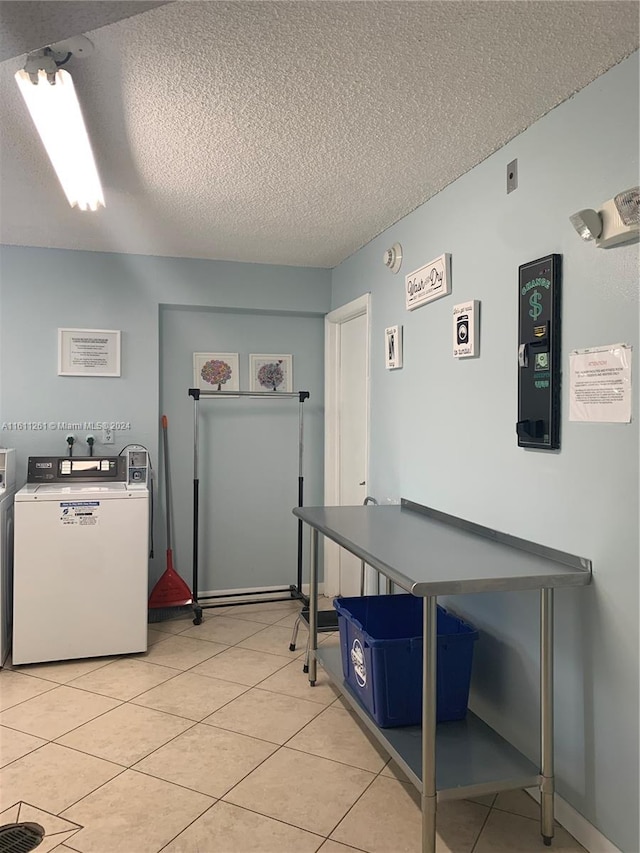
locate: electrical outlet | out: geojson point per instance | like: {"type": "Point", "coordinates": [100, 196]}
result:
{"type": "Point", "coordinates": [107, 436]}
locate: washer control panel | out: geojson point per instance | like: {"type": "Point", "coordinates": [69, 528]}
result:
{"type": "Point", "coordinates": [63, 469]}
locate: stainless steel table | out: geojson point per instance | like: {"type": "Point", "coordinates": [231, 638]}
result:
{"type": "Point", "coordinates": [428, 553]}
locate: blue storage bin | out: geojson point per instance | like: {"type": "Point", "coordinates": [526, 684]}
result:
{"type": "Point", "coordinates": [381, 645]}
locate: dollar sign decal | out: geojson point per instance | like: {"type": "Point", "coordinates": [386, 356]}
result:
{"type": "Point", "coordinates": [536, 307]}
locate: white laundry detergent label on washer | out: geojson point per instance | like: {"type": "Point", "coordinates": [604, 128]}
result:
{"type": "Point", "coordinates": [79, 512]}
{"type": "Point", "coordinates": [358, 663]}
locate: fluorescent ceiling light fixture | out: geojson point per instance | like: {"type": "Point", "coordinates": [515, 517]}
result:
{"type": "Point", "coordinates": [58, 119]}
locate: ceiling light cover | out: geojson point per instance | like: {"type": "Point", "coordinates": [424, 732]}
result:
{"type": "Point", "coordinates": [58, 119]}
{"type": "Point", "coordinates": [628, 205]}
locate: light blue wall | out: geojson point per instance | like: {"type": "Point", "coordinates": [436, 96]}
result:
{"type": "Point", "coordinates": [249, 448]}
{"type": "Point", "coordinates": [443, 431]}
{"type": "Point", "coordinates": [44, 289]}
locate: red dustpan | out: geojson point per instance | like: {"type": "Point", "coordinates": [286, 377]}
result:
{"type": "Point", "coordinates": [171, 590]}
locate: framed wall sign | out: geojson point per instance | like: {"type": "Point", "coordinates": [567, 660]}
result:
{"type": "Point", "coordinates": [393, 347]}
{"type": "Point", "coordinates": [430, 282]}
{"type": "Point", "coordinates": [88, 352]}
{"type": "Point", "coordinates": [466, 340]}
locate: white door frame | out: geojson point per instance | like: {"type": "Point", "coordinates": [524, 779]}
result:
{"type": "Point", "coordinates": [332, 338]}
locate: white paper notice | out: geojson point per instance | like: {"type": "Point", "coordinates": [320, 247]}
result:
{"type": "Point", "coordinates": [600, 384]}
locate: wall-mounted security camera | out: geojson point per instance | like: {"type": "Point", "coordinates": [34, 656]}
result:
{"type": "Point", "coordinates": [392, 258]}
{"type": "Point", "coordinates": [615, 223]}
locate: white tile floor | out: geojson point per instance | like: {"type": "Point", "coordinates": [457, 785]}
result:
{"type": "Point", "coordinates": [213, 742]}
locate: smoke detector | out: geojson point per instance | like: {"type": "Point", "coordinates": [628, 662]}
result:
{"type": "Point", "coordinates": [392, 258]}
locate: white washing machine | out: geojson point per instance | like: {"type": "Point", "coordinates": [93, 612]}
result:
{"type": "Point", "coordinates": [7, 491]}
{"type": "Point", "coordinates": [81, 559]}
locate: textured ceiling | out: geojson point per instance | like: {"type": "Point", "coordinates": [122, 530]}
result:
{"type": "Point", "coordinates": [294, 133]}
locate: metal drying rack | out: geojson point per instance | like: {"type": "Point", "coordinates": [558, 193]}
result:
{"type": "Point", "coordinates": [294, 590]}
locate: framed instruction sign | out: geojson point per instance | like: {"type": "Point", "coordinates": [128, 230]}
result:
{"type": "Point", "coordinates": [88, 352]}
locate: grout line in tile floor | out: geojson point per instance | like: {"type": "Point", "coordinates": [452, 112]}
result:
{"type": "Point", "coordinates": [101, 785]}
{"type": "Point", "coordinates": [256, 737]}
{"type": "Point", "coordinates": [179, 716]}
{"type": "Point", "coordinates": [32, 752]}
{"type": "Point", "coordinates": [194, 723]}
{"type": "Point", "coordinates": [132, 768]}
{"type": "Point", "coordinates": [484, 823]}
{"type": "Point", "coordinates": [188, 826]}
{"type": "Point", "coordinates": [137, 695]}
{"type": "Point", "coordinates": [525, 816]}
{"type": "Point", "coordinates": [490, 807]}
{"type": "Point", "coordinates": [68, 844]}
{"type": "Point", "coordinates": [41, 677]}
{"type": "Point", "coordinates": [352, 806]}
{"type": "Point", "coordinates": [169, 679]}
{"type": "Point", "coordinates": [322, 838]}
{"type": "Point", "coordinates": [350, 846]}
{"type": "Point", "coordinates": [278, 746]}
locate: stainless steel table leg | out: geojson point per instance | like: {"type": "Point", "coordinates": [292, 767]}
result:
{"type": "Point", "coordinates": [429, 664]}
{"type": "Point", "coordinates": [313, 607]}
{"type": "Point", "coordinates": [547, 782]}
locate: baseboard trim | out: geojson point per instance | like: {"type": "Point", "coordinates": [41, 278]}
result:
{"type": "Point", "coordinates": [306, 588]}
{"type": "Point", "coordinates": [255, 595]}
{"type": "Point", "coordinates": [578, 826]}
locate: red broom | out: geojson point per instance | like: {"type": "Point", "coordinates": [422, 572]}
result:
{"type": "Point", "coordinates": [171, 590]}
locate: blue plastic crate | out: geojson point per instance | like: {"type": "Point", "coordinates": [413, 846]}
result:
{"type": "Point", "coordinates": [381, 644]}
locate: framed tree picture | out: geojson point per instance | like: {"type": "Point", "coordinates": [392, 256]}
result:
{"type": "Point", "coordinates": [216, 371]}
{"type": "Point", "coordinates": [271, 372]}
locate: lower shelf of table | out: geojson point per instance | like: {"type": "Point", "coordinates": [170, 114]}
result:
{"type": "Point", "coordinates": [471, 758]}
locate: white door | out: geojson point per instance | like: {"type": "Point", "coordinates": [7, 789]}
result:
{"type": "Point", "coordinates": [346, 430]}
{"type": "Point", "coordinates": [352, 434]}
